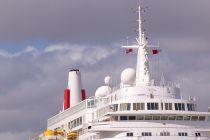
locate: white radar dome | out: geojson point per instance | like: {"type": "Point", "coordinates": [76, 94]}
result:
{"type": "Point", "coordinates": [103, 91]}
{"type": "Point", "coordinates": [107, 80]}
{"type": "Point", "coordinates": [128, 76]}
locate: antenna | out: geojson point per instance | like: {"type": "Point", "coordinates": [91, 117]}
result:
{"type": "Point", "coordinates": [141, 36]}
{"type": "Point", "coordinates": [127, 40]}
{"type": "Point", "coordinates": [140, 27]}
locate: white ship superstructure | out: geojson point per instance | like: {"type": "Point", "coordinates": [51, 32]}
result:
{"type": "Point", "coordinates": [139, 109]}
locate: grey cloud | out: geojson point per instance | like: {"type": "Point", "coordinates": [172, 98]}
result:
{"type": "Point", "coordinates": [99, 22]}
{"type": "Point", "coordinates": [62, 21]}
{"type": "Point", "coordinates": [32, 85]}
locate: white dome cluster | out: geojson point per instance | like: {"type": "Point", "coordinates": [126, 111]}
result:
{"type": "Point", "coordinates": [104, 90]}
{"type": "Point", "coordinates": [127, 78]}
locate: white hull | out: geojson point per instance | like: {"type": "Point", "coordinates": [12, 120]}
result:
{"type": "Point", "coordinates": [120, 130]}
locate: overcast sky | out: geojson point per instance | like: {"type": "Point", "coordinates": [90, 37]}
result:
{"type": "Point", "coordinates": [40, 40]}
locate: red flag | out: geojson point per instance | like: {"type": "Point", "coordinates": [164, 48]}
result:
{"type": "Point", "coordinates": [155, 51]}
{"type": "Point", "coordinates": [128, 50]}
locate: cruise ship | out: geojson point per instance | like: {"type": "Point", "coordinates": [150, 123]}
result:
{"type": "Point", "coordinates": [140, 108]}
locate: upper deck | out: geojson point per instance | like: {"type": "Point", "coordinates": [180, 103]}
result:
{"type": "Point", "coordinates": [144, 101]}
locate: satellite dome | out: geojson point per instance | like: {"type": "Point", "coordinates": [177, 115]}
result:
{"type": "Point", "coordinates": [103, 91]}
{"type": "Point", "coordinates": [128, 76]}
{"type": "Point", "coordinates": [107, 80]}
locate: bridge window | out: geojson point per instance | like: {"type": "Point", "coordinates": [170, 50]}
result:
{"type": "Point", "coordinates": [191, 107]}
{"type": "Point", "coordinates": [197, 134]}
{"type": "Point", "coordinates": [164, 117]}
{"type": "Point", "coordinates": [132, 117]}
{"type": "Point", "coordinates": [179, 118]}
{"type": "Point", "coordinates": [172, 117]}
{"type": "Point", "coordinates": [125, 106]}
{"type": "Point", "coordinates": [123, 118]}
{"type": "Point", "coordinates": [161, 106]}
{"type": "Point", "coordinates": [179, 106]}
{"type": "Point", "coordinates": [194, 118]}
{"type": "Point", "coordinates": [115, 107]}
{"type": "Point", "coordinates": [146, 134]}
{"type": "Point", "coordinates": [75, 122]}
{"type": "Point", "coordinates": [115, 118]}
{"type": "Point", "coordinates": [187, 118]}
{"type": "Point", "coordinates": [138, 106]}
{"type": "Point", "coordinates": [182, 134]}
{"type": "Point", "coordinates": [129, 134]}
{"type": "Point", "coordinates": [148, 117]}
{"type": "Point", "coordinates": [164, 133]}
{"type": "Point", "coordinates": [156, 117]}
{"type": "Point", "coordinates": [140, 117]}
{"type": "Point", "coordinates": [202, 118]}
{"type": "Point", "coordinates": [152, 106]}
{"type": "Point", "coordinates": [168, 106]}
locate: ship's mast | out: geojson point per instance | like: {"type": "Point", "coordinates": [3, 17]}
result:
{"type": "Point", "coordinates": [142, 68]}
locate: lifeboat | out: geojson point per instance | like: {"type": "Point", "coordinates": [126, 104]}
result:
{"type": "Point", "coordinates": [49, 133]}
{"type": "Point", "coordinates": [59, 132]}
{"type": "Point", "coordinates": [72, 136]}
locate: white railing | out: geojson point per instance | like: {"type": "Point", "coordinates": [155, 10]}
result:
{"type": "Point", "coordinates": [166, 83]}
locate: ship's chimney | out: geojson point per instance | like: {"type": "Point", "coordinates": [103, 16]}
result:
{"type": "Point", "coordinates": [75, 86]}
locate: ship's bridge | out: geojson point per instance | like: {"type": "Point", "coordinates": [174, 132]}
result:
{"type": "Point", "coordinates": [131, 93]}
{"type": "Point", "coordinates": [141, 101]}
{"type": "Point", "coordinates": [137, 103]}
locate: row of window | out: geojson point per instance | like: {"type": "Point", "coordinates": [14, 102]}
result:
{"type": "Point", "coordinates": [146, 134]}
{"type": "Point", "coordinates": [191, 107]}
{"type": "Point", "coordinates": [164, 133]}
{"type": "Point", "coordinates": [141, 106]}
{"type": "Point", "coordinates": [182, 134]}
{"type": "Point", "coordinates": [153, 106]}
{"type": "Point", "coordinates": [168, 106]}
{"type": "Point", "coordinates": [130, 134]}
{"type": "Point", "coordinates": [155, 117]}
{"type": "Point", "coordinates": [138, 106]}
{"type": "Point", "coordinates": [75, 123]}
